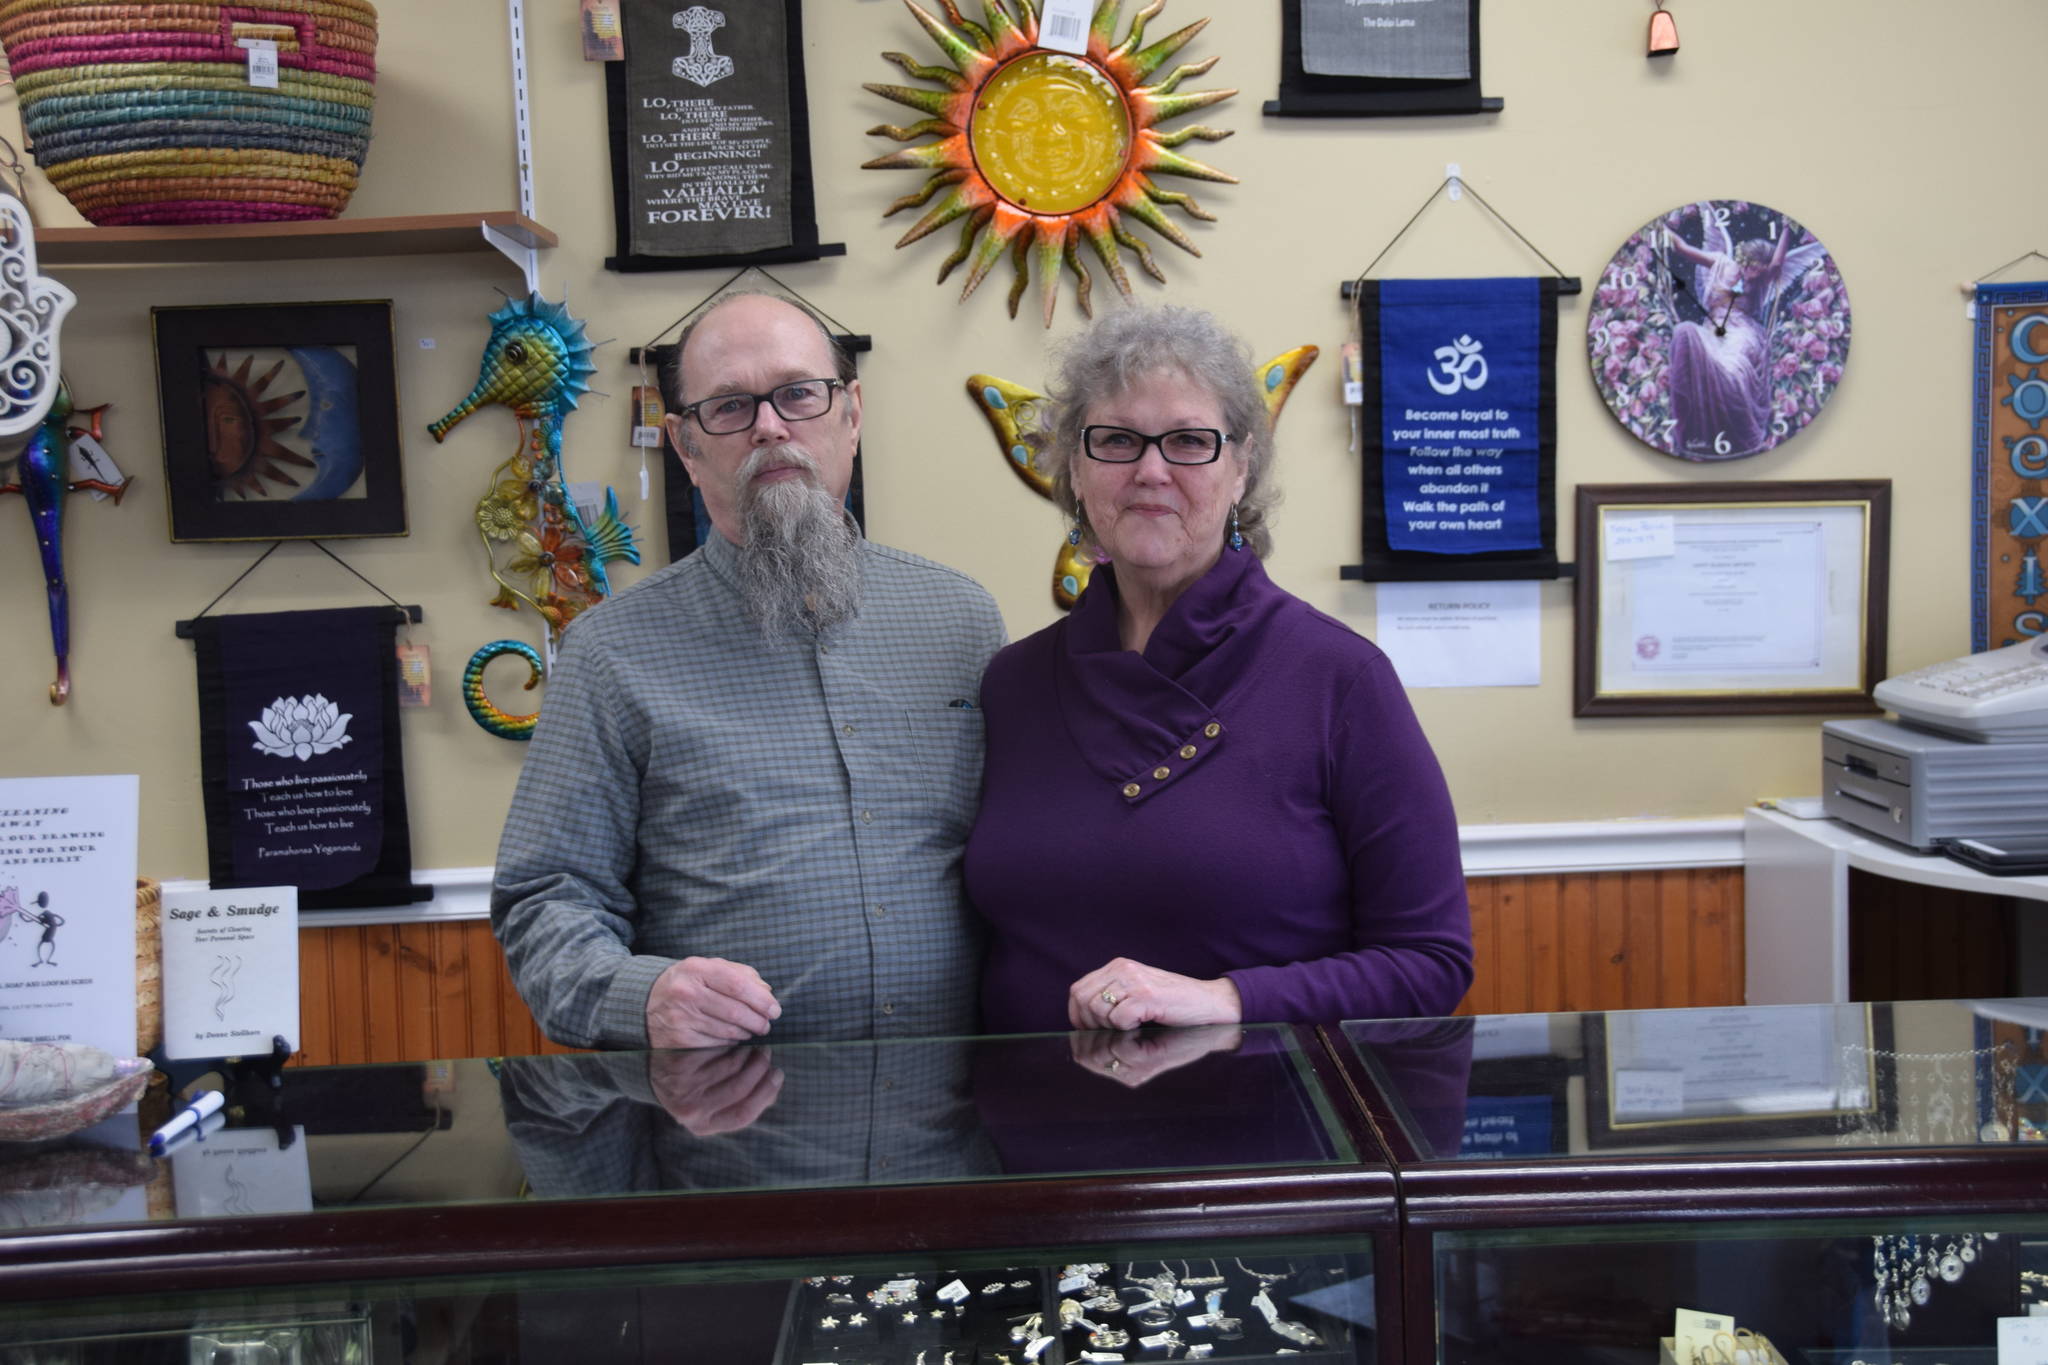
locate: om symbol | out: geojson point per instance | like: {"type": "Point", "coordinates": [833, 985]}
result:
{"type": "Point", "coordinates": [1458, 361]}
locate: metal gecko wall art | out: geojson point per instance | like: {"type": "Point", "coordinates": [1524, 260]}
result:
{"type": "Point", "coordinates": [542, 550]}
{"type": "Point", "coordinates": [1013, 413]}
{"type": "Point", "coordinates": [33, 399]}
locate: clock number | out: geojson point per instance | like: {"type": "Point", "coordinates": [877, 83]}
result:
{"type": "Point", "coordinates": [1600, 342]}
{"type": "Point", "coordinates": [1721, 446]}
{"type": "Point", "coordinates": [1780, 427]}
{"type": "Point", "coordinates": [1665, 428]}
{"type": "Point", "coordinates": [1820, 385]}
{"type": "Point", "coordinates": [1774, 229]}
{"type": "Point", "coordinates": [1628, 277]}
{"type": "Point", "coordinates": [1722, 213]}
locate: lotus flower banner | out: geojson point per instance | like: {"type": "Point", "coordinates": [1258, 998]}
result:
{"type": "Point", "coordinates": [301, 756]}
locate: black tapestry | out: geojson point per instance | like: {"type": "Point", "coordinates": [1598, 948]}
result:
{"type": "Point", "coordinates": [302, 763]}
{"type": "Point", "coordinates": [710, 137]}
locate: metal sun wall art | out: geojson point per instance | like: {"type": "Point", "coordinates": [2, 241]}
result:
{"type": "Point", "coordinates": [1042, 150]}
{"type": "Point", "coordinates": [542, 550]}
{"type": "Point", "coordinates": [1014, 414]}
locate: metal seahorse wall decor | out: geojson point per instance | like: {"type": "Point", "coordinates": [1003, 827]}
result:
{"type": "Point", "coordinates": [42, 480]}
{"type": "Point", "coordinates": [1013, 413]}
{"type": "Point", "coordinates": [542, 550]}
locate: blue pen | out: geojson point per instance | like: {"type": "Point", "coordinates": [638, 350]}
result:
{"type": "Point", "coordinates": [206, 1103]}
{"type": "Point", "coordinates": [193, 1136]}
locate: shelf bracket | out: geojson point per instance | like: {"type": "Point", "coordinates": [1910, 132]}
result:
{"type": "Point", "coordinates": [517, 252]}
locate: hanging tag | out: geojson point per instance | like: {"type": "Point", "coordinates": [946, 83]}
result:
{"type": "Point", "coordinates": [1063, 25]}
{"type": "Point", "coordinates": [415, 676]}
{"type": "Point", "coordinates": [603, 39]}
{"type": "Point", "coordinates": [1970, 310]}
{"type": "Point", "coordinates": [647, 414]}
{"type": "Point", "coordinates": [86, 458]}
{"type": "Point", "coordinates": [262, 61]}
{"type": "Point", "coordinates": [1354, 374]}
{"type": "Point", "coordinates": [643, 476]}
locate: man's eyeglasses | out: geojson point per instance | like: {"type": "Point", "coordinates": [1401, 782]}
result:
{"type": "Point", "coordinates": [800, 400]}
{"type": "Point", "coordinates": [1121, 445]}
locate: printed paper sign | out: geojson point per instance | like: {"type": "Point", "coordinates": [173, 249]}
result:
{"type": "Point", "coordinates": [231, 971]}
{"type": "Point", "coordinates": [1648, 1094]}
{"type": "Point", "coordinates": [239, 1171]}
{"type": "Point", "coordinates": [67, 910]}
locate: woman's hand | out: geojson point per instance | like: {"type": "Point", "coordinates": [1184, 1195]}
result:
{"type": "Point", "coordinates": [1134, 1058]}
{"type": "Point", "coordinates": [1125, 994]}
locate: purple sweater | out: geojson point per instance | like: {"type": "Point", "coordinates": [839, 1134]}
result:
{"type": "Point", "coordinates": [1301, 839]}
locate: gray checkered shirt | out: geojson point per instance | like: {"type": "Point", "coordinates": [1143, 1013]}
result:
{"type": "Point", "coordinates": [692, 791]}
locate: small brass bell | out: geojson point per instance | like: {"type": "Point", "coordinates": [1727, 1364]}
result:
{"type": "Point", "coordinates": [1663, 34]}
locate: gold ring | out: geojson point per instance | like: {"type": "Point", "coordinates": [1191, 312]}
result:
{"type": "Point", "coordinates": [1110, 998]}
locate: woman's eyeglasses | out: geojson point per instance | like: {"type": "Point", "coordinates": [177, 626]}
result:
{"type": "Point", "coordinates": [1183, 445]}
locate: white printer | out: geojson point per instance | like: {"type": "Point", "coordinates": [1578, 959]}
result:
{"type": "Point", "coordinates": [1967, 758]}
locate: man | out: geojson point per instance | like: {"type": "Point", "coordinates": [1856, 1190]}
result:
{"type": "Point", "coordinates": [754, 772]}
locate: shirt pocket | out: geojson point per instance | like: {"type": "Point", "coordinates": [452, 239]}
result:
{"type": "Point", "coordinates": [947, 742]}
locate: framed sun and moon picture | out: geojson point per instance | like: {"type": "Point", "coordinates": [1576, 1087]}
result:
{"type": "Point", "coordinates": [280, 421]}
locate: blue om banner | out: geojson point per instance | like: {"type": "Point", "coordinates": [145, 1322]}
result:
{"type": "Point", "coordinates": [1460, 368]}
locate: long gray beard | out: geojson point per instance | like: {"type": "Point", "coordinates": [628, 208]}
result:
{"type": "Point", "coordinates": [801, 564]}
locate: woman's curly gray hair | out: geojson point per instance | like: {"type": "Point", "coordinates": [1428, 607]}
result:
{"type": "Point", "coordinates": [1122, 348]}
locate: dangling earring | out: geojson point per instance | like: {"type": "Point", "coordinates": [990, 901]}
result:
{"type": "Point", "coordinates": [1074, 531]}
{"type": "Point", "coordinates": [1236, 536]}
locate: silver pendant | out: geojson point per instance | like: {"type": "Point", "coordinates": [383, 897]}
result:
{"type": "Point", "coordinates": [1922, 1291]}
{"type": "Point", "coordinates": [1951, 1267]}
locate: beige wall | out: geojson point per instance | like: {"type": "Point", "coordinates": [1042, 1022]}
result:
{"type": "Point", "coordinates": [1903, 137]}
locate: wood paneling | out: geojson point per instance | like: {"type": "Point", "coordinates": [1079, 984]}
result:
{"type": "Point", "coordinates": [409, 993]}
{"type": "Point", "coordinates": [1911, 942]}
{"type": "Point", "coordinates": [1586, 941]}
{"type": "Point", "coordinates": [1606, 940]}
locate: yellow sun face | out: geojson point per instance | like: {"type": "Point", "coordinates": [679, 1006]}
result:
{"type": "Point", "coordinates": [1040, 151]}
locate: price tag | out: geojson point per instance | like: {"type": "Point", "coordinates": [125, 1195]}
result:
{"type": "Point", "coordinates": [1639, 537]}
{"type": "Point", "coordinates": [415, 676]}
{"type": "Point", "coordinates": [1063, 25]}
{"type": "Point", "coordinates": [2023, 1341]}
{"type": "Point", "coordinates": [86, 458]}
{"type": "Point", "coordinates": [262, 61]}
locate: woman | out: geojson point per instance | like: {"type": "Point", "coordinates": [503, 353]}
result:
{"type": "Point", "coordinates": [1204, 801]}
{"type": "Point", "coordinates": [1720, 368]}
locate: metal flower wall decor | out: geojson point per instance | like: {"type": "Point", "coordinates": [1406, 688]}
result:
{"type": "Point", "coordinates": [1042, 150]}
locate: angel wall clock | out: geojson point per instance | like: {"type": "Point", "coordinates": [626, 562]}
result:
{"type": "Point", "coordinates": [1719, 330]}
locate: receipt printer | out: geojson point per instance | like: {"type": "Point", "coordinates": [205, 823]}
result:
{"type": "Point", "coordinates": [1920, 788]}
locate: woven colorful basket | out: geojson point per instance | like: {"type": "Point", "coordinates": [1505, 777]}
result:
{"type": "Point", "coordinates": [142, 112]}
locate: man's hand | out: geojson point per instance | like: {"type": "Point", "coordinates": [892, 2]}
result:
{"type": "Point", "coordinates": [1124, 994]}
{"type": "Point", "coordinates": [715, 1090]}
{"type": "Point", "coordinates": [705, 1001]}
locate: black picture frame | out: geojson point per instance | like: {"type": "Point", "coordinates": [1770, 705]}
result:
{"type": "Point", "coordinates": [1307, 95]}
{"type": "Point", "coordinates": [206, 375]}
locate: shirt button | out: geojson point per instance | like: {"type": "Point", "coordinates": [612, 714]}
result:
{"type": "Point", "coordinates": [1187, 751]}
{"type": "Point", "coordinates": [888, 1007]}
{"type": "Point", "coordinates": [1212, 729]}
{"type": "Point", "coordinates": [846, 729]}
{"type": "Point", "coordinates": [1131, 789]}
{"type": "Point", "coordinates": [824, 649]}
{"type": "Point", "coordinates": [1162, 773]}
{"type": "Point", "coordinates": [867, 817]}
{"type": "Point", "coordinates": [880, 911]}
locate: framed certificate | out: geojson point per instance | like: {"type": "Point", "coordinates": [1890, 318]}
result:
{"type": "Point", "coordinates": [1725, 1076]}
{"type": "Point", "coordinates": [1731, 598]}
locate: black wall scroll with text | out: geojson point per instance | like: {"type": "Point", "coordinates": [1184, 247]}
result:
{"type": "Point", "coordinates": [302, 764]}
{"type": "Point", "coordinates": [1354, 59]}
{"type": "Point", "coordinates": [710, 137]}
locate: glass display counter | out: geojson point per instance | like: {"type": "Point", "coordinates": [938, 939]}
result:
{"type": "Point", "coordinates": [1186, 1194]}
{"type": "Point", "coordinates": [1829, 1183]}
